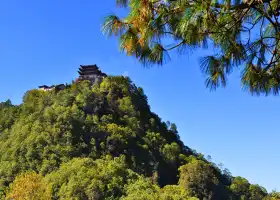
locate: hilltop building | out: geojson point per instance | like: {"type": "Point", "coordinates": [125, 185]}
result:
{"type": "Point", "coordinates": [86, 72]}
{"type": "Point", "coordinates": [49, 88]}
{"type": "Point", "coordinates": [45, 88]}
{"type": "Point", "coordinates": [91, 73]}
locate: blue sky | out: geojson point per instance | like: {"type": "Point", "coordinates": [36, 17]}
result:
{"type": "Point", "coordinates": [44, 42]}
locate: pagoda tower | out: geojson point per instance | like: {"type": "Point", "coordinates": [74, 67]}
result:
{"type": "Point", "coordinates": [91, 73]}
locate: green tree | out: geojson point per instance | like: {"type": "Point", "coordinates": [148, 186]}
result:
{"type": "Point", "coordinates": [243, 33]}
{"type": "Point", "coordinates": [240, 187]}
{"type": "Point", "coordinates": [174, 192]}
{"type": "Point", "coordinates": [257, 192]}
{"type": "Point", "coordinates": [2, 193]}
{"type": "Point", "coordinates": [9, 114]}
{"type": "Point", "coordinates": [142, 189]}
{"type": "Point", "coordinates": [145, 189]}
{"type": "Point", "coordinates": [84, 178]}
{"type": "Point", "coordinates": [272, 196]}
{"type": "Point", "coordinates": [200, 180]}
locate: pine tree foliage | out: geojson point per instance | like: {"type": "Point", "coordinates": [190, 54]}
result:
{"type": "Point", "coordinates": [242, 33]}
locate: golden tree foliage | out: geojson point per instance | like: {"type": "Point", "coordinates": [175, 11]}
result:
{"type": "Point", "coordinates": [29, 186]}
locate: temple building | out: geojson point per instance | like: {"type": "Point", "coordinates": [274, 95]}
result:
{"type": "Point", "coordinates": [46, 88]}
{"type": "Point", "coordinates": [86, 72]}
{"type": "Point", "coordinates": [49, 88]}
{"type": "Point", "coordinates": [91, 73]}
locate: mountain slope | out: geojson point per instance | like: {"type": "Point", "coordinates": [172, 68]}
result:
{"type": "Point", "coordinates": [103, 142]}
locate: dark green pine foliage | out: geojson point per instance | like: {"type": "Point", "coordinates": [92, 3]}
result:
{"type": "Point", "coordinates": [103, 142]}
{"type": "Point", "coordinates": [9, 114]}
{"type": "Point", "coordinates": [241, 33]}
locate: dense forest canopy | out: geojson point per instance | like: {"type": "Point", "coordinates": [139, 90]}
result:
{"type": "Point", "coordinates": [243, 33]}
{"type": "Point", "coordinates": [101, 141]}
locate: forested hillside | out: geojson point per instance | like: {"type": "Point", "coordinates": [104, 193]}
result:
{"type": "Point", "coordinates": [93, 142]}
